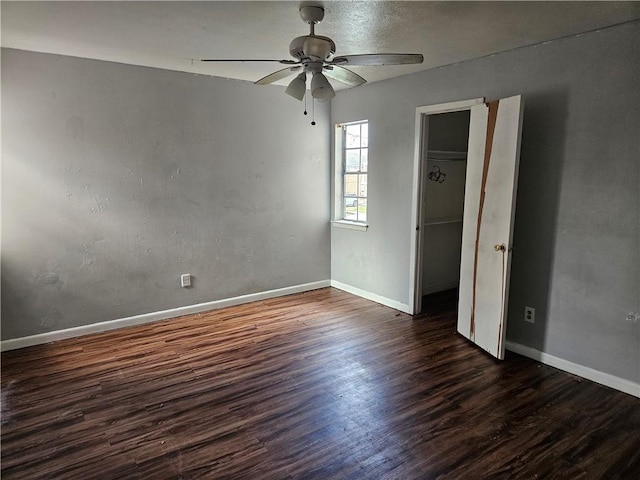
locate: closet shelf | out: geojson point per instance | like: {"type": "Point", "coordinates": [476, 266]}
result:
{"type": "Point", "coordinates": [446, 156]}
{"type": "Point", "coordinates": [443, 220]}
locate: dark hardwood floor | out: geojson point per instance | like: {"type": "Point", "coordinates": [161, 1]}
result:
{"type": "Point", "coordinates": [317, 385]}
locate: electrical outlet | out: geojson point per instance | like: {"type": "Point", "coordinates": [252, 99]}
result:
{"type": "Point", "coordinates": [185, 280]}
{"type": "Point", "coordinates": [529, 314]}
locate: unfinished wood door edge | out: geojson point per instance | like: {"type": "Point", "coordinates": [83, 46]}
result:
{"type": "Point", "coordinates": [488, 148]}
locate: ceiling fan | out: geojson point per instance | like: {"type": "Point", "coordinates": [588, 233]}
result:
{"type": "Point", "coordinates": [315, 55]}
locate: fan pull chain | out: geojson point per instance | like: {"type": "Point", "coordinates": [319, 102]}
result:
{"type": "Point", "coordinates": [305, 102]}
{"type": "Point", "coordinates": [313, 108]}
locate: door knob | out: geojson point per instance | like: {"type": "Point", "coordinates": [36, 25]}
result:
{"type": "Point", "coordinates": [500, 248]}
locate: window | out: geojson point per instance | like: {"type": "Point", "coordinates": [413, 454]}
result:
{"type": "Point", "coordinates": [355, 160]}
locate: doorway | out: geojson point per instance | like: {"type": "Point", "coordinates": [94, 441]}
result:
{"type": "Point", "coordinates": [444, 165]}
{"type": "Point", "coordinates": [442, 135]}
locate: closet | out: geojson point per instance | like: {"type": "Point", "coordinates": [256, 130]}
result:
{"type": "Point", "coordinates": [465, 178]}
{"type": "Point", "coordinates": [444, 165]}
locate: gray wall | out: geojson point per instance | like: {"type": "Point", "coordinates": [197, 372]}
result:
{"type": "Point", "coordinates": [577, 238]}
{"type": "Point", "coordinates": [116, 179]}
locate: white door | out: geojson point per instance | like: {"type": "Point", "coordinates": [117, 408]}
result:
{"type": "Point", "coordinates": [489, 207]}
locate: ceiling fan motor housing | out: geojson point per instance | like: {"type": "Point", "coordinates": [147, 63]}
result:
{"type": "Point", "coordinates": [315, 47]}
{"type": "Point", "coordinates": [318, 47]}
{"type": "Point", "coordinates": [312, 46]}
{"type": "Point", "coordinates": [296, 47]}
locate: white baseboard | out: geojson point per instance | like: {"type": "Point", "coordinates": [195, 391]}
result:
{"type": "Point", "coordinates": [597, 376]}
{"type": "Point", "coordinates": [371, 296]}
{"type": "Point", "coordinates": [41, 338]}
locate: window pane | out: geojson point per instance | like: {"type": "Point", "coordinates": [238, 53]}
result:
{"type": "Point", "coordinates": [362, 185]}
{"type": "Point", "coordinates": [353, 136]}
{"type": "Point", "coordinates": [351, 202]}
{"type": "Point", "coordinates": [353, 160]}
{"type": "Point", "coordinates": [365, 135]}
{"type": "Point", "coordinates": [362, 209]}
{"type": "Point", "coordinates": [364, 156]}
{"type": "Point", "coordinates": [351, 208]}
{"type": "Point", "coordinates": [351, 185]}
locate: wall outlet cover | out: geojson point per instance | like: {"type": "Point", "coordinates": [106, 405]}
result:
{"type": "Point", "coordinates": [529, 314]}
{"type": "Point", "coordinates": [185, 280]}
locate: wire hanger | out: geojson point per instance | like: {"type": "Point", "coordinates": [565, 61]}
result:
{"type": "Point", "coordinates": [436, 175]}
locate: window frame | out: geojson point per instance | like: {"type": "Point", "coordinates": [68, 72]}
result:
{"type": "Point", "coordinates": [341, 151]}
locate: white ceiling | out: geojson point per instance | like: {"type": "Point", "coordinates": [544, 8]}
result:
{"type": "Point", "coordinates": [174, 35]}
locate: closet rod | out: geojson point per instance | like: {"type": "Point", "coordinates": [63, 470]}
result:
{"type": "Point", "coordinates": [446, 156]}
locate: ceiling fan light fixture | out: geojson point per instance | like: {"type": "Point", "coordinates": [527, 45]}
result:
{"type": "Point", "coordinates": [321, 89]}
{"type": "Point", "coordinates": [297, 87]}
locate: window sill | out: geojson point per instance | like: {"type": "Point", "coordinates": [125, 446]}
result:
{"type": "Point", "coordinates": [362, 227]}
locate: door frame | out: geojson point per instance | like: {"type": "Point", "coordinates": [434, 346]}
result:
{"type": "Point", "coordinates": [418, 188]}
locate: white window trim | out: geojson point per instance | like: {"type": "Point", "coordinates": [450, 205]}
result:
{"type": "Point", "coordinates": [350, 225]}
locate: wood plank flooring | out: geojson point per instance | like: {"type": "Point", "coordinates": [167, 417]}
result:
{"type": "Point", "coordinates": [316, 385]}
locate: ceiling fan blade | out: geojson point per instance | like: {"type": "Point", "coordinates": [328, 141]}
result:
{"type": "Point", "coordinates": [344, 75]}
{"type": "Point", "coordinates": [374, 59]}
{"type": "Point", "coordinates": [284, 62]}
{"type": "Point", "coordinates": [279, 75]}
